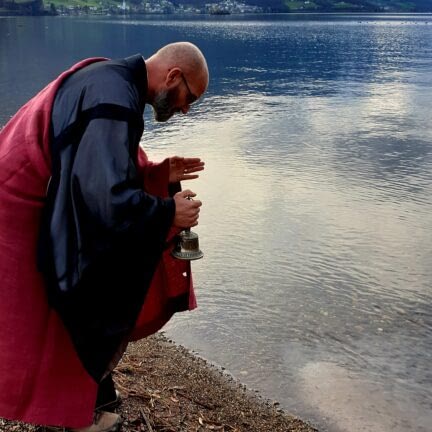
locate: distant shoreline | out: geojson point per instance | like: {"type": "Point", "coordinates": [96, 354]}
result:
{"type": "Point", "coordinates": [10, 13]}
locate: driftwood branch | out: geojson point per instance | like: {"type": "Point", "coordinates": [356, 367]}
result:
{"type": "Point", "coordinates": [147, 421]}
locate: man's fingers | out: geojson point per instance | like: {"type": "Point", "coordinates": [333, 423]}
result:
{"type": "Point", "coordinates": [187, 210]}
{"type": "Point", "coordinates": [193, 169]}
{"type": "Point", "coordinates": [189, 177]}
{"type": "Point", "coordinates": [187, 193]}
{"type": "Point", "coordinates": [192, 160]}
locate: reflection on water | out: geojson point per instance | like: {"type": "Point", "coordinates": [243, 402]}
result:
{"type": "Point", "coordinates": [318, 249]}
{"type": "Point", "coordinates": [316, 226]}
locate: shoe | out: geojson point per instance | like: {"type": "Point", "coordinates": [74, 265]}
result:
{"type": "Point", "coordinates": [103, 422]}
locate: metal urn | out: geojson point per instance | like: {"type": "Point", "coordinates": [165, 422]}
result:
{"type": "Point", "coordinates": [187, 246]}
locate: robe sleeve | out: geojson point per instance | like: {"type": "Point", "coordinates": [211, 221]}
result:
{"type": "Point", "coordinates": [106, 181]}
{"type": "Point", "coordinates": [155, 175]}
{"type": "Point", "coordinates": [156, 182]}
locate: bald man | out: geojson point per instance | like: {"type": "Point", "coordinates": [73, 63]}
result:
{"type": "Point", "coordinates": [86, 226]}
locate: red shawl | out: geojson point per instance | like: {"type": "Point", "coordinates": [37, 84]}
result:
{"type": "Point", "coordinates": [41, 378]}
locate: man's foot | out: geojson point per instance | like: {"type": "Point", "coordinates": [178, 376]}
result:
{"type": "Point", "coordinates": [103, 422]}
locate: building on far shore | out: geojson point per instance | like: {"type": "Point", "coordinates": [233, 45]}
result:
{"type": "Point", "coordinates": [215, 7]}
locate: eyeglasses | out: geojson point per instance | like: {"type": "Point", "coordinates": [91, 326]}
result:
{"type": "Point", "coordinates": [191, 97]}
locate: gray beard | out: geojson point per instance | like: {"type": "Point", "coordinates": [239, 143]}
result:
{"type": "Point", "coordinates": [162, 107]}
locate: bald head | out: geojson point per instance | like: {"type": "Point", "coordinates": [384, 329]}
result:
{"type": "Point", "coordinates": [177, 76]}
{"type": "Point", "coordinates": [187, 56]}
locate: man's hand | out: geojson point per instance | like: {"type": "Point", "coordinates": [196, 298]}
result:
{"type": "Point", "coordinates": [183, 168]}
{"type": "Point", "coordinates": [187, 210]}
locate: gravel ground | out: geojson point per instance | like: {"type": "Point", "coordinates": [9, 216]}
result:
{"type": "Point", "coordinates": [165, 388]}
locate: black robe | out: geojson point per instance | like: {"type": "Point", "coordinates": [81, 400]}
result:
{"type": "Point", "coordinates": [101, 235]}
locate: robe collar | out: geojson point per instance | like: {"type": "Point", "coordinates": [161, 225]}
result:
{"type": "Point", "coordinates": [137, 65]}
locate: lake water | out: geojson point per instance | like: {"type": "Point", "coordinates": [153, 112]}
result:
{"type": "Point", "coordinates": [316, 226]}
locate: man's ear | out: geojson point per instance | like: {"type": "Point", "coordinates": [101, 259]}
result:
{"type": "Point", "coordinates": [173, 76]}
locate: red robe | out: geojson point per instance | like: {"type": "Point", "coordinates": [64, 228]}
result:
{"type": "Point", "coordinates": [42, 380]}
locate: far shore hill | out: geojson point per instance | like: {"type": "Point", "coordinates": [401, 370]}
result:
{"type": "Point", "coordinates": [215, 7]}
